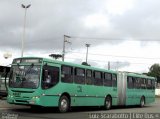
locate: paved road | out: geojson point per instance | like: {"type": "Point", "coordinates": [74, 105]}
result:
{"type": "Point", "coordinates": [8, 111]}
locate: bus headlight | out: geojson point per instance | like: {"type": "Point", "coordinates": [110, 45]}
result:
{"type": "Point", "coordinates": [35, 97]}
{"type": "Point", "coordinates": [10, 96]}
{"type": "Point", "coordinates": [34, 100]}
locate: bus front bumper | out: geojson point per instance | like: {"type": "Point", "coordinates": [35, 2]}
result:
{"type": "Point", "coordinates": [23, 100]}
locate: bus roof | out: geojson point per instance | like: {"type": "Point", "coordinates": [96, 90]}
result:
{"type": "Point", "coordinates": [78, 65]}
{"type": "Point", "coordinates": [139, 75]}
{"type": "Point", "coordinates": [69, 64]}
{"type": "Point", "coordinates": [86, 67]}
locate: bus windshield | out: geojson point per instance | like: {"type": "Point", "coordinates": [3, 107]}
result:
{"type": "Point", "coordinates": [24, 76]}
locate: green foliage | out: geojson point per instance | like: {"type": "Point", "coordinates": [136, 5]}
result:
{"type": "Point", "coordinates": [56, 56]}
{"type": "Point", "coordinates": [85, 63]}
{"type": "Point", "coordinates": [154, 71]}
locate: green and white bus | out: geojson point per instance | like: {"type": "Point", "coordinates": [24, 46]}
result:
{"type": "Point", "coordinates": [49, 83]}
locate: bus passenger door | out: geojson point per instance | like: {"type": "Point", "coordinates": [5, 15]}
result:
{"type": "Point", "coordinates": [50, 79]}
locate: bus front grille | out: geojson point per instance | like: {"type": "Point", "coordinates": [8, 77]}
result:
{"type": "Point", "coordinates": [22, 101]}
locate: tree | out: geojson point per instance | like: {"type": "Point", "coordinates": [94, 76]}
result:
{"type": "Point", "coordinates": [85, 63]}
{"type": "Point", "coordinates": [56, 56]}
{"type": "Point", "coordinates": [154, 71]}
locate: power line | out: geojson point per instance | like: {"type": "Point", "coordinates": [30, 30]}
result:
{"type": "Point", "coordinates": [114, 62]}
{"type": "Point", "coordinates": [118, 39]}
{"type": "Point", "coordinates": [149, 58]}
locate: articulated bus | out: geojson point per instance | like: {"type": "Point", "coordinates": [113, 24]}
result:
{"type": "Point", "coordinates": [49, 83]}
{"type": "Point", "coordinates": [4, 73]}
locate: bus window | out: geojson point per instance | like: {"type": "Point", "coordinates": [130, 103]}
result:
{"type": "Point", "coordinates": [149, 84]}
{"type": "Point", "coordinates": [107, 79]}
{"type": "Point", "coordinates": [89, 80]}
{"type": "Point", "coordinates": [79, 76]}
{"type": "Point", "coordinates": [153, 84]}
{"type": "Point", "coordinates": [143, 83]}
{"type": "Point", "coordinates": [67, 76]}
{"type": "Point", "coordinates": [130, 84]}
{"type": "Point", "coordinates": [114, 80]}
{"type": "Point", "coordinates": [98, 79]}
{"type": "Point", "coordinates": [137, 83]}
{"type": "Point", "coordinates": [50, 76]}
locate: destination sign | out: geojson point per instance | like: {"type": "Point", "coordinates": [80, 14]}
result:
{"type": "Point", "coordinates": [27, 60]}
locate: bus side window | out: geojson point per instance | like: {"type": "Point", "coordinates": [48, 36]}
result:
{"type": "Point", "coordinates": [79, 77]}
{"type": "Point", "coordinates": [149, 84]}
{"type": "Point", "coordinates": [67, 74]}
{"type": "Point", "coordinates": [98, 79]}
{"type": "Point", "coordinates": [143, 83]}
{"type": "Point", "coordinates": [107, 79]}
{"type": "Point", "coordinates": [114, 80]}
{"type": "Point", "coordinates": [153, 84]}
{"type": "Point", "coordinates": [50, 76]}
{"type": "Point", "coordinates": [130, 84]}
{"type": "Point", "coordinates": [55, 76]}
{"type": "Point", "coordinates": [137, 83]}
{"type": "Point", "coordinates": [89, 80]}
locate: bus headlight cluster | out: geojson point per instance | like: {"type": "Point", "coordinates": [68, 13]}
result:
{"type": "Point", "coordinates": [35, 97]}
{"type": "Point", "coordinates": [10, 96]}
{"type": "Point", "coordinates": [34, 100]}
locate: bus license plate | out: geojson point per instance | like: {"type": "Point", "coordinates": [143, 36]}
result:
{"type": "Point", "coordinates": [17, 94]}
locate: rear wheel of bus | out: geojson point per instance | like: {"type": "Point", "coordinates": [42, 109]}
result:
{"type": "Point", "coordinates": [108, 103]}
{"type": "Point", "coordinates": [142, 101]}
{"type": "Point", "coordinates": [64, 104]}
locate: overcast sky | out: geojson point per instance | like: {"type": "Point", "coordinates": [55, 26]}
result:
{"type": "Point", "coordinates": [124, 32]}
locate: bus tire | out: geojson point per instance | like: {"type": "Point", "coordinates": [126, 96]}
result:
{"type": "Point", "coordinates": [64, 104]}
{"type": "Point", "coordinates": [108, 103]}
{"type": "Point", "coordinates": [142, 101]}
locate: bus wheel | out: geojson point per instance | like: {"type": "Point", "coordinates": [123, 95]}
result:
{"type": "Point", "coordinates": [142, 102]}
{"type": "Point", "coordinates": [63, 104]}
{"type": "Point", "coordinates": [108, 103]}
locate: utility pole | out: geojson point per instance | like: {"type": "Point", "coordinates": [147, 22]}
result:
{"type": "Point", "coordinates": [64, 42]}
{"type": "Point", "coordinates": [87, 45]}
{"type": "Point", "coordinates": [24, 27]}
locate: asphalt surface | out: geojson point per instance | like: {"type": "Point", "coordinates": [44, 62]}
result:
{"type": "Point", "coordinates": [151, 111]}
